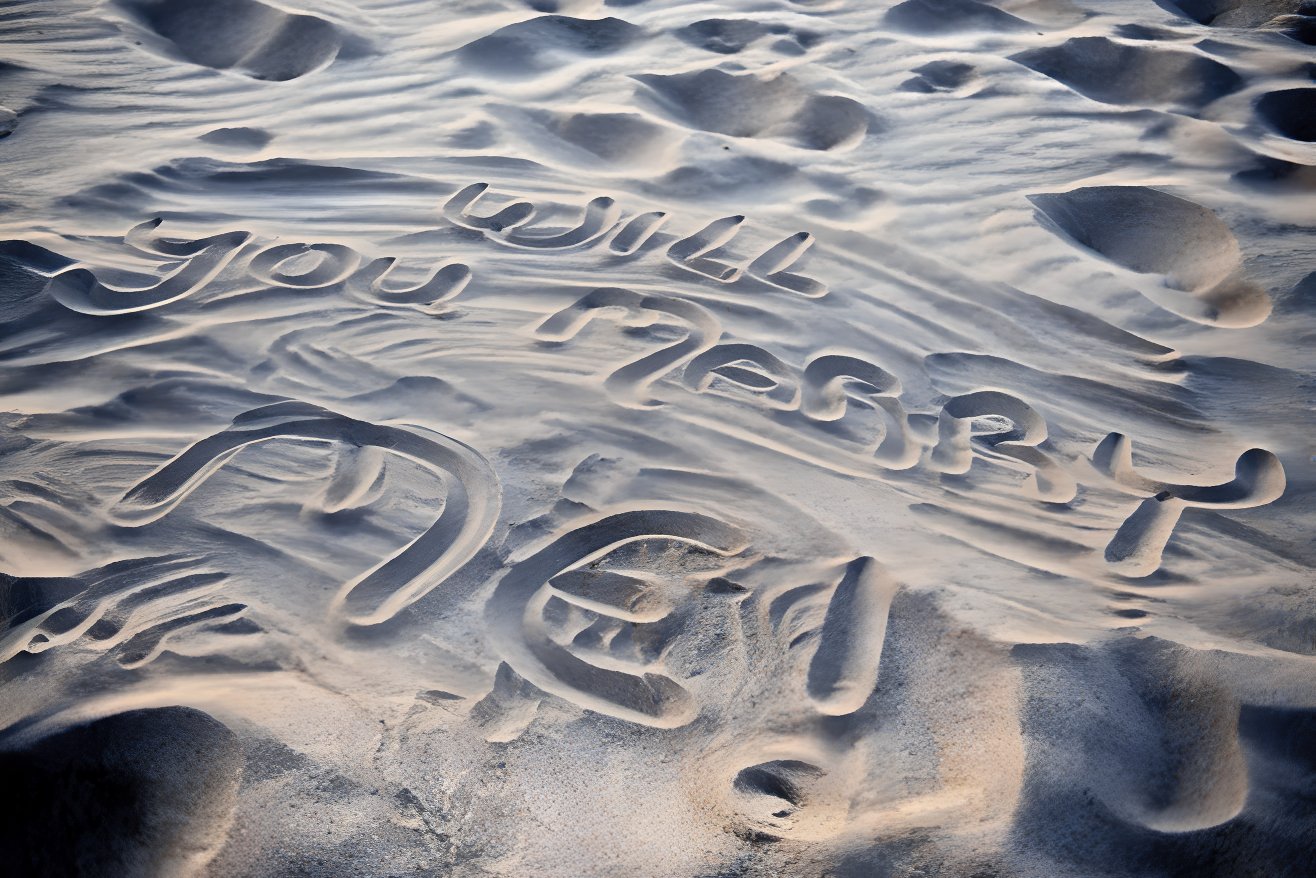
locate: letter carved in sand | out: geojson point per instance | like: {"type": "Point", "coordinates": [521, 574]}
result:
{"type": "Point", "coordinates": [581, 570]}
{"type": "Point", "coordinates": [1136, 548]}
{"type": "Point", "coordinates": [565, 570]}
{"type": "Point", "coordinates": [469, 514]}
{"type": "Point", "coordinates": [194, 265]}
{"type": "Point", "coordinates": [802, 413]}
{"type": "Point", "coordinates": [186, 268]}
{"type": "Point", "coordinates": [602, 219]}
{"type": "Point", "coordinates": [806, 406]}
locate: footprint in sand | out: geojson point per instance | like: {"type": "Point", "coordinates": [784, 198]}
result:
{"type": "Point", "coordinates": [1154, 739]}
{"type": "Point", "coordinates": [953, 16]}
{"type": "Point", "coordinates": [940, 76]}
{"type": "Point", "coordinates": [776, 106]}
{"type": "Point", "coordinates": [548, 42]}
{"type": "Point", "coordinates": [730, 36]}
{"type": "Point", "coordinates": [245, 36]}
{"type": "Point", "coordinates": [622, 139]}
{"type": "Point", "coordinates": [849, 764]}
{"type": "Point", "coordinates": [1154, 233]}
{"type": "Point", "coordinates": [1291, 112]}
{"type": "Point", "coordinates": [1127, 74]}
{"type": "Point", "coordinates": [771, 796]}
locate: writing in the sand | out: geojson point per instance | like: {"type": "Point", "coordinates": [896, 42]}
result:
{"type": "Point", "coordinates": [186, 268]}
{"type": "Point", "coordinates": [802, 410]}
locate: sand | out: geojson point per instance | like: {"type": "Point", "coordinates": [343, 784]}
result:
{"type": "Point", "coordinates": [664, 439]}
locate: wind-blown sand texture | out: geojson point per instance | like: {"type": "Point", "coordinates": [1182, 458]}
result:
{"type": "Point", "coordinates": [663, 439]}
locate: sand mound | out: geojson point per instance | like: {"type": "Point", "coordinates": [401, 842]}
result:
{"type": "Point", "coordinates": [614, 137]}
{"type": "Point", "coordinates": [1151, 232]}
{"type": "Point", "coordinates": [952, 16]}
{"type": "Point", "coordinates": [729, 36]}
{"type": "Point", "coordinates": [726, 36]}
{"type": "Point", "coordinates": [546, 43]}
{"type": "Point", "coordinates": [1297, 18]}
{"type": "Point", "coordinates": [1291, 112]}
{"type": "Point", "coordinates": [238, 138]}
{"type": "Point", "coordinates": [142, 793]}
{"type": "Point", "coordinates": [1146, 230]}
{"type": "Point", "coordinates": [1166, 772]}
{"type": "Point", "coordinates": [1238, 13]}
{"type": "Point", "coordinates": [748, 105]}
{"type": "Point", "coordinates": [938, 76]}
{"type": "Point", "coordinates": [245, 36]}
{"type": "Point", "coordinates": [1117, 73]}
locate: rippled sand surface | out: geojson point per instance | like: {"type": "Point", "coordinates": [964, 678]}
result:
{"type": "Point", "coordinates": [665, 439]}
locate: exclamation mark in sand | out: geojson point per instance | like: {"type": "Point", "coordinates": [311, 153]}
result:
{"type": "Point", "coordinates": [844, 669]}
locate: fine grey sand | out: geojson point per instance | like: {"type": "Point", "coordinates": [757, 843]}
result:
{"type": "Point", "coordinates": [577, 438]}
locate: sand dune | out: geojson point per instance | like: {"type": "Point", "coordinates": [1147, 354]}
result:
{"type": "Point", "coordinates": [627, 437]}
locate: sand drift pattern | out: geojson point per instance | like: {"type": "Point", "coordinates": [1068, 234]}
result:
{"type": "Point", "coordinates": [617, 437]}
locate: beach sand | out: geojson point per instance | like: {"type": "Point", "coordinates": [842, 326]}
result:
{"type": "Point", "coordinates": [572, 438]}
